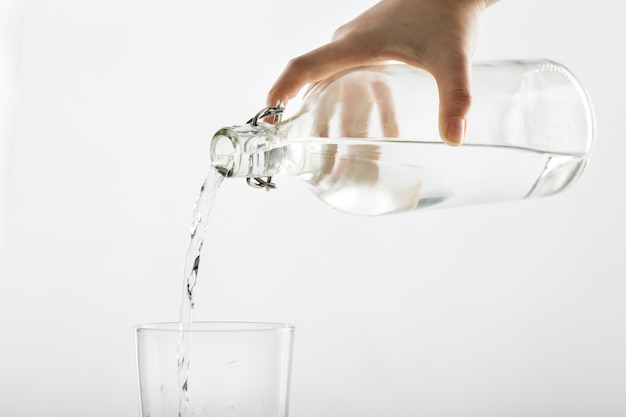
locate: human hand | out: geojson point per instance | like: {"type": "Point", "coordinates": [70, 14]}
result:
{"type": "Point", "coordinates": [436, 35]}
{"type": "Point", "coordinates": [357, 176]}
{"type": "Point", "coordinates": [356, 99]}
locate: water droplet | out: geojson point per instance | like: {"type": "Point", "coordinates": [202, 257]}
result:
{"type": "Point", "coordinates": [231, 409]}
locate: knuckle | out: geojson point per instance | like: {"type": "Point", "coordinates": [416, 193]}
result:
{"type": "Point", "coordinates": [341, 32]}
{"type": "Point", "coordinates": [295, 64]}
{"type": "Point", "coordinates": [300, 69]}
{"type": "Point", "coordinates": [461, 96]}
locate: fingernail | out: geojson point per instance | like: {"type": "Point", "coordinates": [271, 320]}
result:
{"type": "Point", "coordinates": [456, 131]}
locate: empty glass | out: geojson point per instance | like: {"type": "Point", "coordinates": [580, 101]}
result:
{"type": "Point", "coordinates": [236, 369]}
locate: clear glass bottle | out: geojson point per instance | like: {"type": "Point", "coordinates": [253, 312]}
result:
{"type": "Point", "coordinates": [367, 141]}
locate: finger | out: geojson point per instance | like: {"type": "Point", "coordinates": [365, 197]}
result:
{"type": "Point", "coordinates": [315, 66]}
{"type": "Point", "coordinates": [455, 99]}
{"type": "Point", "coordinates": [356, 106]}
{"type": "Point", "coordinates": [323, 113]}
{"type": "Point", "coordinates": [321, 122]}
{"type": "Point", "coordinates": [386, 108]}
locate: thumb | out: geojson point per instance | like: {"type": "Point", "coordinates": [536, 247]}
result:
{"type": "Point", "coordinates": [455, 98]}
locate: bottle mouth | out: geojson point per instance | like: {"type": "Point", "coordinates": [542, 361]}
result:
{"type": "Point", "coordinates": [225, 152]}
{"type": "Point", "coordinates": [246, 151]}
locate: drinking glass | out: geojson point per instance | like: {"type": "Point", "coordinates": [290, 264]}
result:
{"type": "Point", "coordinates": [235, 369]}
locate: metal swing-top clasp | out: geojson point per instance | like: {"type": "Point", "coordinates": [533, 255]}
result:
{"type": "Point", "coordinates": [277, 112]}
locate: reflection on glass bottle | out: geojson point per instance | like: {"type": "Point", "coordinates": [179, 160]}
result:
{"type": "Point", "coordinates": [367, 141]}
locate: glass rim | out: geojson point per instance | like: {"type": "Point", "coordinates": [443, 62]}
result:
{"type": "Point", "coordinates": [214, 327]}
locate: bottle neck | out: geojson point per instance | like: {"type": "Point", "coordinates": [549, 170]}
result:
{"type": "Point", "coordinates": [247, 150]}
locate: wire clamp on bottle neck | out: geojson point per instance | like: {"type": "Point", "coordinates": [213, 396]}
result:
{"type": "Point", "coordinates": [276, 112]}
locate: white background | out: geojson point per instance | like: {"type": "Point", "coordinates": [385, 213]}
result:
{"type": "Point", "coordinates": [107, 107]}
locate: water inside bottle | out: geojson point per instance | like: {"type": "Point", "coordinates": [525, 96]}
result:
{"type": "Point", "coordinates": [375, 177]}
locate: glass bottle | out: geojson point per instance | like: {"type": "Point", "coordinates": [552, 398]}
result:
{"type": "Point", "coordinates": [367, 141]}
